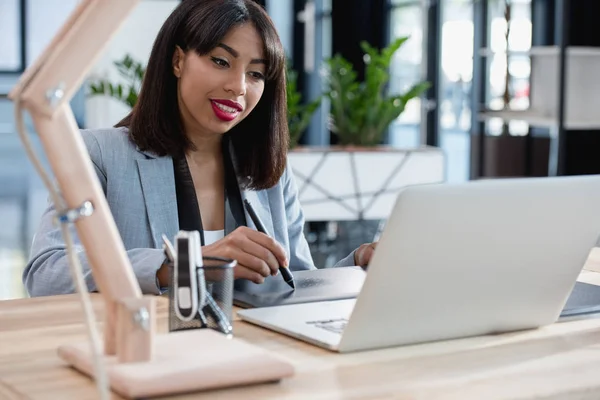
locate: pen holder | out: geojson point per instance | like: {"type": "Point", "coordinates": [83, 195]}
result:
{"type": "Point", "coordinates": [217, 273]}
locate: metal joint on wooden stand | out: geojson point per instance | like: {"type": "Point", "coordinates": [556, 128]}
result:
{"type": "Point", "coordinates": [56, 94]}
{"type": "Point", "coordinates": [142, 318]}
{"type": "Point", "coordinates": [135, 322]}
{"type": "Point", "coordinates": [73, 214]}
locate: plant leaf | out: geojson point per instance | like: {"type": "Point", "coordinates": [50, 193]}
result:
{"type": "Point", "coordinates": [132, 71]}
{"type": "Point", "coordinates": [361, 111]}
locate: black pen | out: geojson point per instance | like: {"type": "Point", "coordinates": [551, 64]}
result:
{"type": "Point", "coordinates": [286, 274]}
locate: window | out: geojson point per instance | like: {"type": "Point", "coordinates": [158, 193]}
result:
{"type": "Point", "coordinates": [456, 75]}
{"type": "Point", "coordinates": [26, 27]}
{"type": "Point", "coordinates": [508, 60]}
{"type": "Point", "coordinates": [10, 32]}
{"type": "Point", "coordinates": [317, 35]}
{"type": "Point", "coordinates": [282, 14]}
{"type": "Point", "coordinates": [406, 19]}
{"type": "Point", "coordinates": [402, 2]}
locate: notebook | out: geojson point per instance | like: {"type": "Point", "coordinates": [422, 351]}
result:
{"type": "Point", "coordinates": [311, 285]}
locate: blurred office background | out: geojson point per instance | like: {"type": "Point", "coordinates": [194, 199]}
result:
{"type": "Point", "coordinates": [479, 112]}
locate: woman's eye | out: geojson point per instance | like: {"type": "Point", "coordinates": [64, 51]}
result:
{"type": "Point", "coordinates": [257, 76]}
{"type": "Point", "coordinates": [220, 62]}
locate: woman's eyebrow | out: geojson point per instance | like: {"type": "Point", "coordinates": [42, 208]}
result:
{"type": "Point", "coordinates": [234, 53]}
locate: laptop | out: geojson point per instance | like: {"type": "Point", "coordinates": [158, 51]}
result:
{"type": "Point", "coordinates": [459, 260]}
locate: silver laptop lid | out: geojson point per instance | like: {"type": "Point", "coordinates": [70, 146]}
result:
{"type": "Point", "coordinates": [475, 258]}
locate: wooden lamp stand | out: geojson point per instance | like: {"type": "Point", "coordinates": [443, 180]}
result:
{"type": "Point", "coordinates": [139, 362]}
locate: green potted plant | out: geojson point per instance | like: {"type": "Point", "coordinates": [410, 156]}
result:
{"type": "Point", "coordinates": [132, 72]}
{"type": "Point", "coordinates": [360, 179]}
{"type": "Point", "coordinates": [362, 111]}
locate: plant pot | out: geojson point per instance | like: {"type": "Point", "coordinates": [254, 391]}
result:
{"type": "Point", "coordinates": [345, 183]}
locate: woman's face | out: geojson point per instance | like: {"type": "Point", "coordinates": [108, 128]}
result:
{"type": "Point", "coordinates": [218, 90]}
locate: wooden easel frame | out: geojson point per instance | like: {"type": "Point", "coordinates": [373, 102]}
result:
{"type": "Point", "coordinates": [139, 362]}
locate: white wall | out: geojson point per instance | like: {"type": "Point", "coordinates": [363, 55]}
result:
{"type": "Point", "coordinates": [44, 18]}
{"type": "Point", "coordinates": [136, 38]}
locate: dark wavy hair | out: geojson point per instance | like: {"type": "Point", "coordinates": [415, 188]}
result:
{"type": "Point", "coordinates": [260, 141]}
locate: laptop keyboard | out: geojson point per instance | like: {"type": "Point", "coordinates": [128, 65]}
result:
{"type": "Point", "coordinates": [332, 325]}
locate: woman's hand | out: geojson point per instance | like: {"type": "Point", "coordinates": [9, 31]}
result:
{"type": "Point", "coordinates": [363, 255]}
{"type": "Point", "coordinates": [257, 254]}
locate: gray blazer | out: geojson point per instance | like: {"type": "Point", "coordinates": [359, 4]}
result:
{"type": "Point", "coordinates": [140, 190]}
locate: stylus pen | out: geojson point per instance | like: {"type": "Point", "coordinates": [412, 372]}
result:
{"type": "Point", "coordinates": [286, 274]}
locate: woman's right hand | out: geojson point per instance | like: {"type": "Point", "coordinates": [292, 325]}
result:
{"type": "Point", "coordinates": [258, 255]}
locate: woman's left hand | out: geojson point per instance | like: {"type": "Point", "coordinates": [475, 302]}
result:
{"type": "Point", "coordinates": [363, 255]}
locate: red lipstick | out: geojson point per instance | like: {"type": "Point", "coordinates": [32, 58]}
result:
{"type": "Point", "coordinates": [226, 110]}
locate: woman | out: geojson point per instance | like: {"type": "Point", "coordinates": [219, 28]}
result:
{"type": "Point", "coordinates": [209, 130]}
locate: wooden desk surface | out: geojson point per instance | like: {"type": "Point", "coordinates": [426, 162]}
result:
{"type": "Point", "coordinates": [560, 361]}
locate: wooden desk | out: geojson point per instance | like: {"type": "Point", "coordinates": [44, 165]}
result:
{"type": "Point", "coordinates": [560, 361]}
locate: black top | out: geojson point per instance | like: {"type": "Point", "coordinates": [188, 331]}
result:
{"type": "Point", "coordinates": [188, 210]}
{"type": "Point", "coordinates": [187, 203]}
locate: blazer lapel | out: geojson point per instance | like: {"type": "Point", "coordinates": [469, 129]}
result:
{"type": "Point", "coordinates": [158, 185]}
